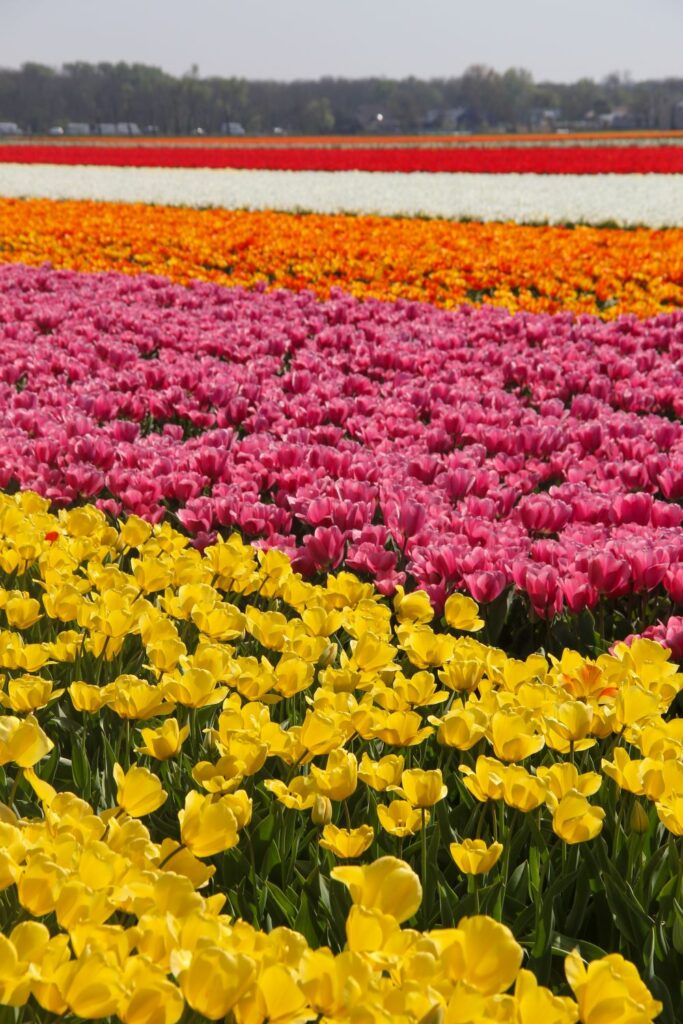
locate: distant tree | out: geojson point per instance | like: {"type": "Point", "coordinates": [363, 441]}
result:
{"type": "Point", "coordinates": [317, 116]}
{"type": "Point", "coordinates": [38, 97]}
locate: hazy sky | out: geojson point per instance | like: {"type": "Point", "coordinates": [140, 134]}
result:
{"type": "Point", "coordinates": [559, 40]}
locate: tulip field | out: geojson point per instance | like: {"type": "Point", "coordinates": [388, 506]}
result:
{"type": "Point", "coordinates": [341, 581]}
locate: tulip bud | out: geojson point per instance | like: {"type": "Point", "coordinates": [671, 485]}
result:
{"type": "Point", "coordinates": [639, 821]}
{"type": "Point", "coordinates": [328, 656]}
{"type": "Point", "coordinates": [321, 811]}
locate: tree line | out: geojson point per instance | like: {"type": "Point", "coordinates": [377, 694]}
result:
{"type": "Point", "coordinates": [39, 98]}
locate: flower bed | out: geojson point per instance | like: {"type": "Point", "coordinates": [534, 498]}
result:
{"type": "Point", "coordinates": [626, 199]}
{"type": "Point", "coordinates": [592, 160]}
{"type": "Point", "coordinates": [603, 271]}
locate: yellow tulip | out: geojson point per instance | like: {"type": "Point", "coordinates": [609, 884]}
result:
{"type": "Point", "coordinates": [222, 777]}
{"type": "Point", "coordinates": [609, 989]}
{"type": "Point", "coordinates": [40, 884]}
{"type": "Point", "coordinates": [462, 612]}
{"type": "Point", "coordinates": [43, 956]}
{"type": "Point", "coordinates": [566, 726]}
{"type": "Point", "coordinates": [372, 653]}
{"type": "Point", "coordinates": [279, 999]}
{"type": "Point", "coordinates": [15, 980]}
{"type": "Point", "coordinates": [400, 818]}
{"type": "Point", "coordinates": [523, 790]}
{"type": "Point", "coordinates": [165, 654]}
{"type": "Point", "coordinates": [150, 998]}
{"type": "Point", "coordinates": [22, 742]}
{"type": "Point", "coordinates": [633, 703]}
{"type": "Point", "coordinates": [418, 690]}
{"type": "Point", "coordinates": [321, 733]}
{"type": "Point", "coordinates": [292, 675]}
{"type": "Point", "coordinates": [670, 813]}
{"type": "Point", "coordinates": [627, 773]}
{"type": "Point", "coordinates": [462, 728]}
{"type": "Point", "coordinates": [216, 980]}
{"type": "Point", "coordinates": [300, 795]}
{"type": "Point", "coordinates": [339, 778]}
{"type": "Point", "coordinates": [333, 985]}
{"type": "Point", "coordinates": [135, 699]}
{"type": "Point", "coordinates": [269, 628]}
{"type": "Point", "coordinates": [63, 603]}
{"type": "Point", "coordinates": [424, 647]}
{"type": "Point", "coordinates": [321, 811]}
{"type": "Point", "coordinates": [321, 622]}
{"type": "Point", "coordinates": [474, 857]}
{"type": "Point", "coordinates": [536, 1003]}
{"type": "Point", "coordinates": [133, 532]}
{"type": "Point", "coordinates": [195, 688]}
{"type": "Point", "coordinates": [240, 804]}
{"type": "Point", "coordinates": [379, 775]}
{"type": "Point", "coordinates": [22, 611]}
{"type": "Point", "coordinates": [249, 750]}
{"type": "Point", "coordinates": [486, 782]}
{"type": "Point", "coordinates": [514, 737]}
{"type": "Point", "coordinates": [28, 693]}
{"type": "Point", "coordinates": [151, 574]}
{"type": "Point", "coordinates": [78, 904]}
{"type": "Point", "coordinates": [575, 820]}
{"type": "Point", "coordinates": [87, 697]}
{"type": "Point", "coordinates": [207, 824]}
{"type": "Point", "coordinates": [484, 955]}
{"type": "Point", "coordinates": [662, 779]}
{"type": "Point", "coordinates": [112, 615]}
{"type": "Point", "coordinates": [400, 728]}
{"type": "Point", "coordinates": [91, 985]}
{"type": "Point", "coordinates": [388, 885]}
{"type": "Point", "coordinates": [222, 622]}
{"type": "Point", "coordinates": [344, 842]}
{"type": "Point", "coordinates": [415, 607]}
{"type": "Point", "coordinates": [466, 668]}
{"type": "Point", "coordinates": [138, 792]}
{"type": "Point", "coordinates": [370, 931]}
{"type": "Point", "coordinates": [562, 777]}
{"type": "Point", "coordinates": [422, 788]}
{"type": "Point", "coordinates": [165, 741]}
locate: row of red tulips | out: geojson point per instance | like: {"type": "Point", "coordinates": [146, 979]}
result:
{"type": "Point", "coordinates": [483, 160]}
{"type": "Point", "coordinates": [468, 450]}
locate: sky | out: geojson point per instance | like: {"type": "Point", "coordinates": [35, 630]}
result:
{"type": "Point", "coordinates": [557, 40]}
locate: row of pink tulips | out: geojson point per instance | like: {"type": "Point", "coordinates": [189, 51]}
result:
{"type": "Point", "coordinates": [467, 449]}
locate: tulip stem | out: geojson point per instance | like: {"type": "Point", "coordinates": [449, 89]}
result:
{"type": "Point", "coordinates": [15, 785]}
{"type": "Point", "coordinates": [473, 890]}
{"type": "Point", "coordinates": [423, 855]}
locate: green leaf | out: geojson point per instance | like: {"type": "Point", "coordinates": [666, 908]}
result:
{"type": "Point", "coordinates": [496, 613]}
{"type": "Point", "coordinates": [304, 921]}
{"type": "Point", "coordinates": [677, 931]}
{"type": "Point", "coordinates": [628, 915]}
{"type": "Point", "coordinates": [447, 903]}
{"type": "Point", "coordinates": [563, 944]}
{"type": "Point", "coordinates": [546, 918]}
{"type": "Point", "coordinates": [265, 830]}
{"type": "Point", "coordinates": [518, 882]}
{"type": "Point", "coordinates": [270, 860]}
{"type": "Point", "coordinates": [288, 908]}
{"type": "Point", "coordinates": [80, 769]}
